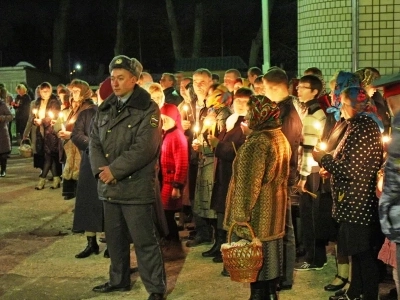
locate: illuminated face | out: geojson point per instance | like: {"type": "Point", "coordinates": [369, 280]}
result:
{"type": "Point", "coordinates": [347, 111]}
{"type": "Point", "coordinates": [201, 85]}
{"type": "Point", "coordinates": [229, 81]}
{"type": "Point", "coordinates": [251, 78]}
{"type": "Point", "coordinates": [305, 92]}
{"type": "Point", "coordinates": [370, 90]}
{"type": "Point", "coordinates": [76, 93]}
{"type": "Point", "coordinates": [240, 105]}
{"type": "Point", "coordinates": [270, 90]}
{"type": "Point", "coordinates": [258, 88]}
{"type": "Point", "coordinates": [237, 86]}
{"type": "Point", "coordinates": [45, 93]}
{"type": "Point", "coordinates": [122, 82]}
{"type": "Point", "coordinates": [158, 97]}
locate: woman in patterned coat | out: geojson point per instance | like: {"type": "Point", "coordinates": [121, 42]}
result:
{"type": "Point", "coordinates": [353, 168]}
{"type": "Point", "coordinates": [258, 191]}
{"type": "Point", "coordinates": [174, 163]}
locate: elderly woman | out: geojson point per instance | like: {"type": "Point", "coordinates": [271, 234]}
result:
{"type": "Point", "coordinates": [353, 168]}
{"type": "Point", "coordinates": [22, 105]}
{"type": "Point", "coordinates": [81, 101]}
{"type": "Point", "coordinates": [258, 191]}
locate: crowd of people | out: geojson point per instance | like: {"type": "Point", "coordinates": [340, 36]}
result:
{"type": "Point", "coordinates": [137, 154]}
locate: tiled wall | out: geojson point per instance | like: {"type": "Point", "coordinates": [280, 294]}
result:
{"type": "Point", "coordinates": [325, 35]}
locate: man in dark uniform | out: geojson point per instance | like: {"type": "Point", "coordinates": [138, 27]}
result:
{"type": "Point", "coordinates": [124, 149]}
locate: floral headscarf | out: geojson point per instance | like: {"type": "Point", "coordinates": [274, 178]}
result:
{"type": "Point", "coordinates": [343, 80]}
{"type": "Point", "coordinates": [367, 76]}
{"type": "Point", "coordinates": [263, 113]}
{"type": "Point", "coordinates": [362, 103]}
{"type": "Point", "coordinates": [86, 92]}
{"type": "Point", "coordinates": [219, 98]}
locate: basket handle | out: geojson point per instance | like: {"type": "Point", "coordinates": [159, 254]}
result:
{"type": "Point", "coordinates": [27, 139]}
{"type": "Point", "coordinates": [253, 236]}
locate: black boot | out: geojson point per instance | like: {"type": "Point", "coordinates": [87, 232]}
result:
{"type": "Point", "coordinates": [270, 290]}
{"type": "Point", "coordinates": [91, 247]}
{"type": "Point", "coordinates": [217, 244]}
{"type": "Point", "coordinates": [256, 291]}
{"type": "Point", "coordinates": [221, 238]}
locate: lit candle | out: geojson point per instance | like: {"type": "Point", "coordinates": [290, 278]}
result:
{"type": "Point", "coordinates": [63, 127]}
{"type": "Point", "coordinates": [35, 111]}
{"type": "Point", "coordinates": [317, 125]}
{"type": "Point", "coordinates": [51, 115]}
{"type": "Point", "coordinates": [322, 146]}
{"type": "Point", "coordinates": [186, 108]}
{"type": "Point", "coordinates": [386, 139]}
{"type": "Point", "coordinates": [196, 130]}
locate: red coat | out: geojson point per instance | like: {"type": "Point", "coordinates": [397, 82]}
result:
{"type": "Point", "coordinates": [174, 163]}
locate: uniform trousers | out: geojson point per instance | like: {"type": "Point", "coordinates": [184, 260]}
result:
{"type": "Point", "coordinates": [123, 223]}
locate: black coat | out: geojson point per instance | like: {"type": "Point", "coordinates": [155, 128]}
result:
{"type": "Point", "coordinates": [5, 117]}
{"type": "Point", "coordinates": [88, 214]}
{"type": "Point", "coordinates": [225, 154]}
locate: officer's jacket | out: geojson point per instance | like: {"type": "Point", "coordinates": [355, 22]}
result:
{"type": "Point", "coordinates": [128, 141]}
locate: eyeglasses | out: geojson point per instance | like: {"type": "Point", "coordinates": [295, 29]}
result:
{"type": "Point", "coordinates": [303, 87]}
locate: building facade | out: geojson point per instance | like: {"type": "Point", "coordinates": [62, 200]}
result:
{"type": "Point", "coordinates": [347, 35]}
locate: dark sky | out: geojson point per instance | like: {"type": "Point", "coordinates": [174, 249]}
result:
{"type": "Point", "coordinates": [26, 31]}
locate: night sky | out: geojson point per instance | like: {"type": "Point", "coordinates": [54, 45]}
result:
{"type": "Point", "coordinates": [229, 27]}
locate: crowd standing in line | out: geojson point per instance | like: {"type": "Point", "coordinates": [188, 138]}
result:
{"type": "Point", "coordinates": [218, 154]}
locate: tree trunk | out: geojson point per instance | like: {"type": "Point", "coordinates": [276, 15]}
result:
{"type": "Point", "coordinates": [173, 26]}
{"type": "Point", "coordinates": [58, 63]}
{"type": "Point", "coordinates": [119, 41]}
{"type": "Point", "coordinates": [198, 29]}
{"type": "Point", "coordinates": [257, 42]}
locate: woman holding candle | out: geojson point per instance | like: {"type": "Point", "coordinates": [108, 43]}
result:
{"type": "Point", "coordinates": [22, 106]}
{"type": "Point", "coordinates": [212, 124]}
{"type": "Point", "coordinates": [45, 111]}
{"type": "Point", "coordinates": [353, 168]}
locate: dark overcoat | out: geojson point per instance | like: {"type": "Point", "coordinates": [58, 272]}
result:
{"type": "Point", "coordinates": [88, 214]}
{"type": "Point", "coordinates": [224, 156]}
{"type": "Point", "coordinates": [5, 117]}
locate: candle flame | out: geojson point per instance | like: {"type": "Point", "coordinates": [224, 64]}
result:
{"type": "Point", "coordinates": [322, 146]}
{"type": "Point", "coordinates": [34, 111]}
{"type": "Point", "coordinates": [51, 115]}
{"type": "Point", "coordinates": [196, 128]}
{"type": "Point", "coordinates": [186, 107]}
{"type": "Point", "coordinates": [317, 125]}
{"type": "Point", "coordinates": [386, 139]}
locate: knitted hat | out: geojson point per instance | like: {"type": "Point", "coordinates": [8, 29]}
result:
{"type": "Point", "coordinates": [124, 62]}
{"type": "Point", "coordinates": [172, 111]}
{"type": "Point", "coordinates": [105, 89]}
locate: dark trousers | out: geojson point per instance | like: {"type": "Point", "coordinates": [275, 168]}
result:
{"type": "Point", "coordinates": [364, 276]}
{"type": "Point", "coordinates": [123, 222]}
{"type": "Point", "coordinates": [172, 226]}
{"type": "Point", "coordinates": [309, 216]}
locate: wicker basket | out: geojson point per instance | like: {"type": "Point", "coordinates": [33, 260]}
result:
{"type": "Point", "coordinates": [25, 149]}
{"type": "Point", "coordinates": [243, 262]}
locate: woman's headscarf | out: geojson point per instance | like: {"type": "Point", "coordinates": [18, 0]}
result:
{"type": "Point", "coordinates": [367, 76]}
{"type": "Point", "coordinates": [362, 103]}
{"type": "Point", "coordinates": [343, 80]}
{"type": "Point", "coordinates": [219, 98]}
{"type": "Point", "coordinates": [86, 92]}
{"type": "Point", "coordinates": [263, 113]}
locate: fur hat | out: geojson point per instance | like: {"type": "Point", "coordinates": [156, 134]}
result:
{"type": "Point", "coordinates": [124, 62]}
